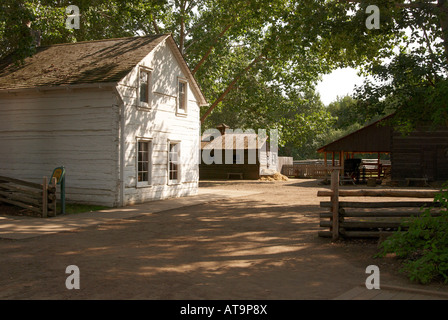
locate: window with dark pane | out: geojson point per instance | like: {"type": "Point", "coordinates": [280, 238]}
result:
{"type": "Point", "coordinates": [182, 96]}
{"type": "Point", "coordinates": [173, 162]}
{"type": "Point", "coordinates": [144, 86]}
{"type": "Point", "coordinates": [143, 161]}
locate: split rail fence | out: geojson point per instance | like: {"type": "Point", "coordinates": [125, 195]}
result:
{"type": "Point", "coordinates": [360, 219]}
{"type": "Point", "coordinates": [39, 198]}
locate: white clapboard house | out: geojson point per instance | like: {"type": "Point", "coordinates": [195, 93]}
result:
{"type": "Point", "coordinates": [121, 115]}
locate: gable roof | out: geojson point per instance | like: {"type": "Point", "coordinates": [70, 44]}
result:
{"type": "Point", "coordinates": [239, 141]}
{"type": "Point", "coordinates": [372, 138]}
{"type": "Point", "coordinates": [87, 62]}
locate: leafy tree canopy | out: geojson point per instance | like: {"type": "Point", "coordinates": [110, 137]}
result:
{"type": "Point", "coordinates": [412, 81]}
{"type": "Point", "coordinates": [257, 60]}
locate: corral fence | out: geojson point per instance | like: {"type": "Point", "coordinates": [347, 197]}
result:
{"type": "Point", "coordinates": [284, 161]}
{"type": "Point", "coordinates": [316, 169]}
{"type": "Point", "coordinates": [307, 170]}
{"type": "Point", "coordinates": [360, 219]}
{"type": "Point", "coordinates": [38, 198]}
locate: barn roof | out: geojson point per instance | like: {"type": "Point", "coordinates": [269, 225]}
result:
{"type": "Point", "coordinates": [373, 138]}
{"type": "Point", "coordinates": [241, 141]}
{"type": "Point", "coordinates": [86, 62]}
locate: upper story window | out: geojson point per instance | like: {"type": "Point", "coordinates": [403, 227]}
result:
{"type": "Point", "coordinates": [182, 96]}
{"type": "Point", "coordinates": [144, 91]}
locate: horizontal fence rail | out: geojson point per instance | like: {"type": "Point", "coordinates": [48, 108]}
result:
{"type": "Point", "coordinates": [317, 169]}
{"type": "Point", "coordinates": [38, 198]}
{"type": "Point", "coordinates": [369, 219]}
{"type": "Point", "coordinates": [313, 171]}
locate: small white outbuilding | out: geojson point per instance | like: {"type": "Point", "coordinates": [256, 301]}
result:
{"type": "Point", "coordinates": [121, 115]}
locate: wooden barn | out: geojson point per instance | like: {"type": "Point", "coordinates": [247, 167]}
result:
{"type": "Point", "coordinates": [236, 155]}
{"type": "Point", "coordinates": [121, 115]}
{"type": "Point", "coordinates": [421, 155]}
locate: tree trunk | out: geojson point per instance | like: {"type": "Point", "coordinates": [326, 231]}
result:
{"type": "Point", "coordinates": [182, 36]}
{"type": "Point", "coordinates": [154, 24]}
{"type": "Point", "coordinates": [182, 27]}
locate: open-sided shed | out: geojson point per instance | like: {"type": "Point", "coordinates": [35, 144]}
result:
{"type": "Point", "coordinates": [422, 154]}
{"type": "Point", "coordinates": [374, 139]}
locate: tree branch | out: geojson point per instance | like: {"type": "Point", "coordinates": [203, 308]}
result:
{"type": "Point", "coordinates": [230, 87]}
{"type": "Point", "coordinates": [210, 49]}
{"type": "Point", "coordinates": [193, 28]}
{"type": "Point", "coordinates": [190, 5]}
{"type": "Point", "coordinates": [192, 42]}
{"type": "Point", "coordinates": [154, 24]}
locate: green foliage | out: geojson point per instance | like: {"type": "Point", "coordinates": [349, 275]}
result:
{"type": "Point", "coordinates": [298, 41]}
{"type": "Point", "coordinates": [413, 81]}
{"type": "Point", "coordinates": [257, 103]}
{"type": "Point", "coordinates": [348, 117]}
{"type": "Point", "coordinates": [223, 36]}
{"type": "Point", "coordinates": [100, 19]}
{"type": "Point", "coordinates": [424, 245]}
{"type": "Point", "coordinates": [14, 33]}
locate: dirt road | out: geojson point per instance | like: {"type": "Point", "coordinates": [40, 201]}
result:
{"type": "Point", "coordinates": [263, 246]}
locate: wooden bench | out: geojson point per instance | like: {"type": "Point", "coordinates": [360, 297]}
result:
{"type": "Point", "coordinates": [240, 174]}
{"type": "Point", "coordinates": [425, 180]}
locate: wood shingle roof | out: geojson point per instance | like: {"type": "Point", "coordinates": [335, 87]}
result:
{"type": "Point", "coordinates": [100, 61]}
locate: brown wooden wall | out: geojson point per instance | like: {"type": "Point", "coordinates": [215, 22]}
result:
{"type": "Point", "coordinates": [219, 171]}
{"type": "Point", "coordinates": [423, 153]}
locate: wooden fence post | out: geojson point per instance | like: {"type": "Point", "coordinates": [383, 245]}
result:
{"type": "Point", "coordinates": [365, 223]}
{"type": "Point", "coordinates": [45, 198]}
{"type": "Point", "coordinates": [335, 203]}
{"type": "Point", "coordinates": [54, 204]}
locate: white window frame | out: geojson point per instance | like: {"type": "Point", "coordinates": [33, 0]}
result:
{"type": "Point", "coordinates": [145, 183]}
{"type": "Point", "coordinates": [179, 110]}
{"type": "Point", "coordinates": [144, 104]}
{"type": "Point", "coordinates": [179, 163]}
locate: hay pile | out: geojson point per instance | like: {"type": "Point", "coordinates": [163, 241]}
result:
{"type": "Point", "coordinates": [274, 177]}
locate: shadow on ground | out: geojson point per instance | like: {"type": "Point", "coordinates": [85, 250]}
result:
{"type": "Point", "coordinates": [223, 250]}
{"type": "Point", "coordinates": [262, 246]}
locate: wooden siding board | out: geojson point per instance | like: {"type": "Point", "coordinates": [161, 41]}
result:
{"type": "Point", "coordinates": [220, 171]}
{"type": "Point", "coordinates": [77, 129]}
{"type": "Point", "coordinates": [81, 129]}
{"type": "Point", "coordinates": [160, 124]}
{"type": "Point", "coordinates": [420, 154]}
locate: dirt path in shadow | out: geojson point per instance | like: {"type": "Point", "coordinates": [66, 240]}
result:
{"type": "Point", "coordinates": [263, 246]}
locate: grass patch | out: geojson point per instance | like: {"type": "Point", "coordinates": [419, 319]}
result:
{"type": "Point", "coordinates": [73, 208]}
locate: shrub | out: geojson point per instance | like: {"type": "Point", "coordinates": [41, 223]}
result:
{"type": "Point", "coordinates": [424, 245]}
